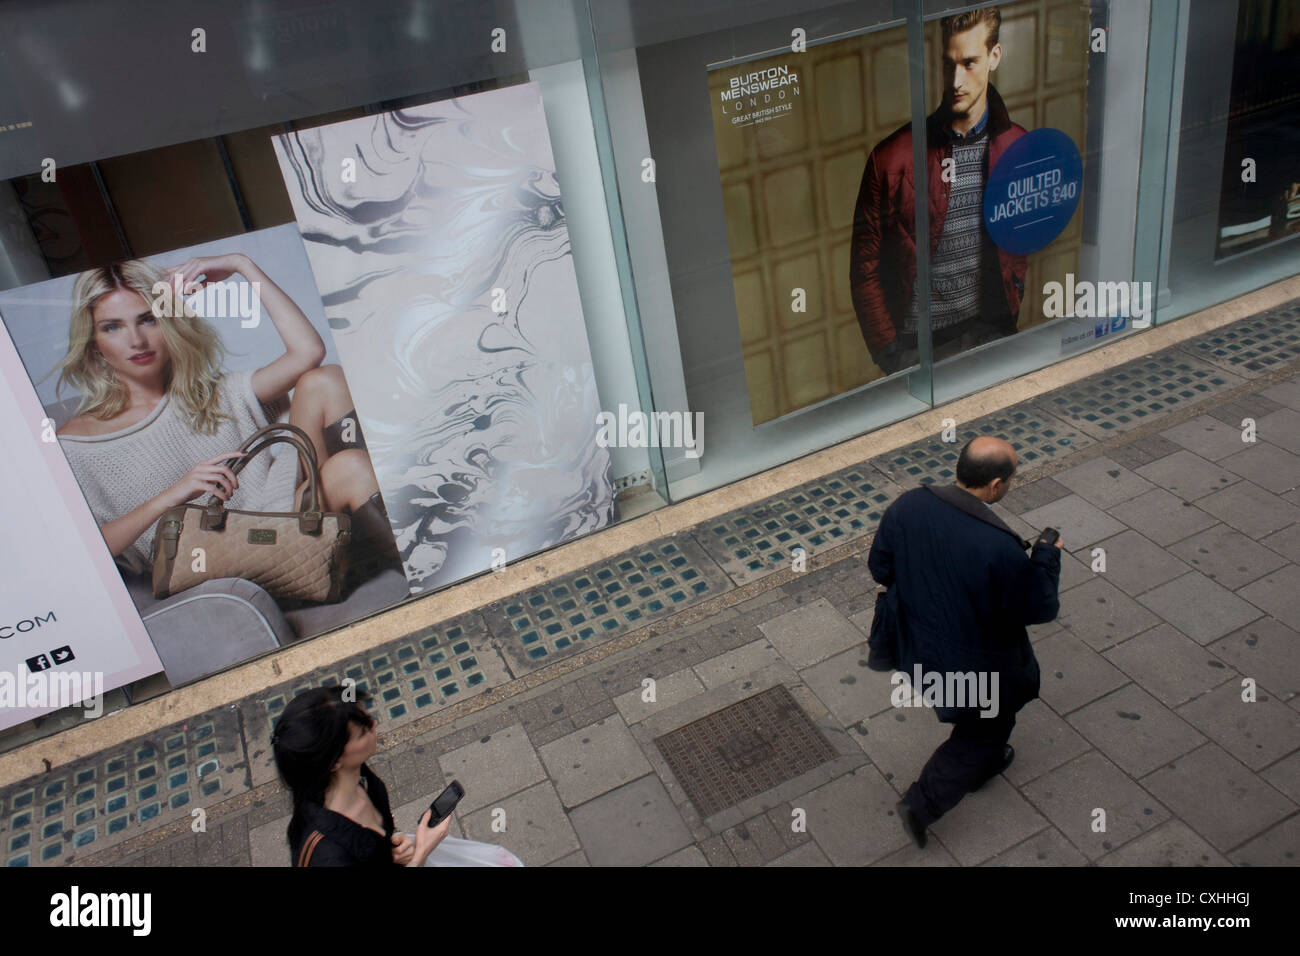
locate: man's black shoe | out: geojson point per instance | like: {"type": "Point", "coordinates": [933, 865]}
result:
{"type": "Point", "coordinates": [1008, 755]}
{"type": "Point", "coordinates": [911, 823]}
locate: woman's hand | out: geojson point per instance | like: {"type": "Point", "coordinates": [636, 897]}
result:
{"type": "Point", "coordinates": [427, 838]}
{"type": "Point", "coordinates": [212, 268]}
{"type": "Point", "coordinates": [210, 476]}
{"type": "Point", "coordinates": [403, 849]}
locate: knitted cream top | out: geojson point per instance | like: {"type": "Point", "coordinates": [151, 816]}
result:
{"type": "Point", "coordinates": [122, 470]}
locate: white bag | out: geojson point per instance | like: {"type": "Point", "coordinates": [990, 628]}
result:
{"type": "Point", "coordinates": [454, 852]}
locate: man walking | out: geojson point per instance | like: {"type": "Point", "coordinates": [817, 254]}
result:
{"type": "Point", "coordinates": [975, 287]}
{"type": "Point", "coordinates": [965, 592]}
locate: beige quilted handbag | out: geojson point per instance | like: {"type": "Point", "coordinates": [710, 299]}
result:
{"type": "Point", "coordinates": [296, 555]}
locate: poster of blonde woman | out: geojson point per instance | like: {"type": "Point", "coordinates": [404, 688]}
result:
{"type": "Point", "coordinates": [163, 377]}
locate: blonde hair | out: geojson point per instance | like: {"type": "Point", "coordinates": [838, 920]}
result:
{"type": "Point", "coordinates": [197, 354]}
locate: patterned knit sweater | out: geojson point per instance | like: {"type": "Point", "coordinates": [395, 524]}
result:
{"type": "Point", "coordinates": [120, 471]}
{"type": "Point", "coordinates": [956, 271]}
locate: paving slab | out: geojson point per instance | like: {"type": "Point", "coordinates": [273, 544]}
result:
{"type": "Point", "coordinates": [1266, 650]}
{"type": "Point", "coordinates": [810, 634]}
{"type": "Point", "coordinates": [852, 818]}
{"type": "Point", "coordinates": [740, 662]}
{"type": "Point", "coordinates": [1285, 392]}
{"type": "Point", "coordinates": [1285, 542]}
{"type": "Point", "coordinates": [1161, 516]}
{"type": "Point", "coordinates": [269, 844]}
{"type": "Point", "coordinates": [1278, 593]}
{"type": "Point", "coordinates": [592, 760]}
{"type": "Point", "coordinates": [1173, 843]}
{"type": "Point", "coordinates": [1285, 776]}
{"type": "Point", "coordinates": [1250, 509]}
{"type": "Point", "coordinates": [493, 767]}
{"type": "Point", "coordinates": [633, 825]}
{"type": "Point", "coordinates": [1227, 556]}
{"type": "Point", "coordinates": [1279, 846]}
{"type": "Point", "coordinates": [900, 741]}
{"type": "Point", "coordinates": [1103, 482]}
{"type": "Point", "coordinates": [1202, 609]}
{"type": "Point", "coordinates": [1134, 730]}
{"type": "Point", "coordinates": [1071, 794]}
{"type": "Point", "coordinates": [1043, 741]}
{"type": "Point", "coordinates": [1272, 468]}
{"type": "Point", "coordinates": [1081, 524]}
{"type": "Point", "coordinates": [573, 859]}
{"type": "Point", "coordinates": [1047, 847]}
{"type": "Point", "coordinates": [810, 854]}
{"type": "Point", "coordinates": [689, 856]}
{"type": "Point", "coordinates": [1027, 496]}
{"type": "Point", "coordinates": [1072, 673]}
{"type": "Point", "coordinates": [1102, 615]}
{"type": "Point", "coordinates": [851, 690]}
{"type": "Point", "coordinates": [667, 692]}
{"type": "Point", "coordinates": [1136, 564]}
{"type": "Point", "coordinates": [536, 828]}
{"type": "Point", "coordinates": [1073, 571]}
{"type": "Point", "coordinates": [1169, 665]}
{"type": "Point", "coordinates": [1206, 436]}
{"type": "Point", "coordinates": [1187, 475]}
{"type": "Point", "coordinates": [1281, 427]}
{"type": "Point", "coordinates": [987, 822]}
{"type": "Point", "coordinates": [1218, 797]}
{"type": "Point", "coordinates": [1256, 732]}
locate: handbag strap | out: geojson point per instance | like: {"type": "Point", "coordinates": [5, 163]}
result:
{"type": "Point", "coordinates": [309, 847]}
{"type": "Point", "coordinates": [310, 517]}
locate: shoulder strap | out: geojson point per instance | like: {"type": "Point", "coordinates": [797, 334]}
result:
{"type": "Point", "coordinates": [965, 501]}
{"type": "Point", "coordinates": [309, 847]}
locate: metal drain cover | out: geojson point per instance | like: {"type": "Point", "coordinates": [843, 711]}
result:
{"type": "Point", "coordinates": [742, 750]}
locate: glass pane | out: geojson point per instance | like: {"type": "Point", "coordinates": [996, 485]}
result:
{"type": "Point", "coordinates": [740, 136]}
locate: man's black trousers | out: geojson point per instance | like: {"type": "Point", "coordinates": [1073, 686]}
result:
{"type": "Point", "coordinates": [970, 756]}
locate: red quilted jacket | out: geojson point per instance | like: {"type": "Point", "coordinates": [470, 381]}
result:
{"type": "Point", "coordinates": [882, 260]}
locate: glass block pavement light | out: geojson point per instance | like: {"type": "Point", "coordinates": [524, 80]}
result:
{"type": "Point", "coordinates": [1113, 402]}
{"type": "Point", "coordinates": [98, 801]}
{"type": "Point", "coordinates": [1036, 436]}
{"type": "Point", "coordinates": [406, 678]}
{"type": "Point", "coordinates": [1254, 345]}
{"type": "Point", "coordinates": [536, 627]}
{"type": "Point", "coordinates": [756, 540]}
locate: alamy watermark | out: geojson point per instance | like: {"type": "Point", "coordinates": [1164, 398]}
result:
{"type": "Point", "coordinates": [948, 689]}
{"type": "Point", "coordinates": [1094, 300]}
{"type": "Point", "coordinates": [53, 690]}
{"type": "Point", "coordinates": [219, 300]}
{"type": "Point", "coordinates": [637, 429]}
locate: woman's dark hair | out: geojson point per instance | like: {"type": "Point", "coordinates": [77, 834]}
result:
{"type": "Point", "coordinates": [308, 740]}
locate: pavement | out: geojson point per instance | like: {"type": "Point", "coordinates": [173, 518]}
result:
{"type": "Point", "coordinates": [1167, 733]}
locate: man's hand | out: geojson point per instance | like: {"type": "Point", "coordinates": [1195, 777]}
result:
{"type": "Point", "coordinates": [403, 849]}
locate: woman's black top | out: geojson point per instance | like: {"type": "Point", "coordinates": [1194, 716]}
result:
{"type": "Point", "coordinates": [331, 839]}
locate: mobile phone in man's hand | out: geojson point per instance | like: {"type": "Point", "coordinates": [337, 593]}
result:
{"type": "Point", "coordinates": [445, 802]}
{"type": "Point", "coordinates": [1049, 536]}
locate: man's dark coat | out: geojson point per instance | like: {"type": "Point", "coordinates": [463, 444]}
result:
{"type": "Point", "coordinates": [966, 590]}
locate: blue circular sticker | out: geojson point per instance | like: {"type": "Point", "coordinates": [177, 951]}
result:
{"type": "Point", "coordinates": [1033, 191]}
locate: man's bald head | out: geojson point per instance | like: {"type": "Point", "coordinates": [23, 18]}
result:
{"type": "Point", "coordinates": [985, 467]}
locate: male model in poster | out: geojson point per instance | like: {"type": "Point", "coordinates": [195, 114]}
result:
{"type": "Point", "coordinates": [975, 287]}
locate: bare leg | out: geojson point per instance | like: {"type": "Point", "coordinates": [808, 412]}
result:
{"type": "Point", "coordinates": [320, 398]}
{"type": "Point", "coordinates": [347, 480]}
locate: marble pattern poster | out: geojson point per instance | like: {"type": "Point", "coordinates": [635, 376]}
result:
{"type": "Point", "coordinates": [439, 243]}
